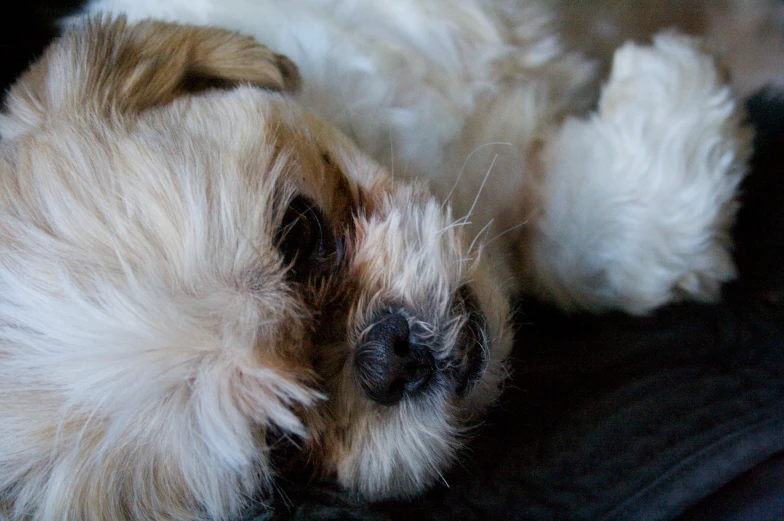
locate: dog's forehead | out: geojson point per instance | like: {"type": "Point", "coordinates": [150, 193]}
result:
{"type": "Point", "coordinates": [257, 132]}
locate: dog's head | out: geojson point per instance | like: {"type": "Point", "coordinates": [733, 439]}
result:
{"type": "Point", "coordinates": [189, 280]}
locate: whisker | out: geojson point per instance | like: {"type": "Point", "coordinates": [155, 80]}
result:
{"type": "Point", "coordinates": [391, 155]}
{"type": "Point", "coordinates": [462, 169]}
{"type": "Point", "coordinates": [481, 187]}
{"type": "Point", "coordinates": [281, 494]}
{"type": "Point", "coordinates": [479, 234]}
{"type": "Point", "coordinates": [248, 241]}
{"type": "Point", "coordinates": [441, 476]}
{"type": "Point", "coordinates": [511, 229]}
{"type": "Point", "coordinates": [455, 224]}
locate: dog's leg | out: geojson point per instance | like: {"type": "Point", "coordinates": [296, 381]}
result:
{"type": "Point", "coordinates": [637, 201]}
{"type": "Point", "coordinates": [113, 66]}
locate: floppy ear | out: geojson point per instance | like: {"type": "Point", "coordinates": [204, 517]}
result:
{"type": "Point", "coordinates": [110, 65]}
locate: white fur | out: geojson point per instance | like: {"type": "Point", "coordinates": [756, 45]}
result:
{"type": "Point", "coordinates": [128, 337]}
{"type": "Point", "coordinates": [152, 340]}
{"type": "Point", "coordinates": [639, 198]}
{"type": "Point", "coordinates": [448, 91]}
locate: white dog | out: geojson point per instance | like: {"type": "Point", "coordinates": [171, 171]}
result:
{"type": "Point", "coordinates": [189, 276]}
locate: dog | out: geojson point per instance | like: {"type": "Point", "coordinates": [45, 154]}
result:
{"type": "Point", "coordinates": [197, 271]}
{"type": "Point", "coordinates": [186, 266]}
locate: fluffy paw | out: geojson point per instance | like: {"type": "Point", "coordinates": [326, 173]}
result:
{"type": "Point", "coordinates": [638, 200]}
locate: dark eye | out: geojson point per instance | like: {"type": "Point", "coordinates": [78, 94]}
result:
{"type": "Point", "coordinates": [306, 240]}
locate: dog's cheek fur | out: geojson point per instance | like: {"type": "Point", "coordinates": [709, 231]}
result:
{"type": "Point", "coordinates": [148, 339]}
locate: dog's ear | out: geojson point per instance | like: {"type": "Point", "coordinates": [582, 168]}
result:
{"type": "Point", "coordinates": [111, 65]}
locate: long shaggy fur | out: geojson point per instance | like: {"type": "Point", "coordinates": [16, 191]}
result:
{"type": "Point", "coordinates": [154, 347]}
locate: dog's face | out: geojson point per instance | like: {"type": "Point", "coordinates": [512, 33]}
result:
{"type": "Point", "coordinates": [189, 281]}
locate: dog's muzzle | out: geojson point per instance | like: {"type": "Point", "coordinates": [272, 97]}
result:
{"type": "Point", "coordinates": [392, 362]}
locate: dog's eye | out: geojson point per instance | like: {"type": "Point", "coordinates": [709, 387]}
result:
{"type": "Point", "coordinates": [307, 242]}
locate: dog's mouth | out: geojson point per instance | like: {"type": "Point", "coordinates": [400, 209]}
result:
{"type": "Point", "coordinates": [395, 358]}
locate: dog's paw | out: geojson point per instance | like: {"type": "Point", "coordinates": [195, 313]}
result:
{"type": "Point", "coordinates": [638, 199]}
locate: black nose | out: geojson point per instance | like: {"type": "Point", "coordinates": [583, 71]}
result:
{"type": "Point", "coordinates": [388, 365]}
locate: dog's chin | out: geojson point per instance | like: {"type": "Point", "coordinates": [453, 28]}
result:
{"type": "Point", "coordinates": [407, 447]}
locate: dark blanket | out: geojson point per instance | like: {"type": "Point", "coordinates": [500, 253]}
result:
{"type": "Point", "coordinates": [605, 418]}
